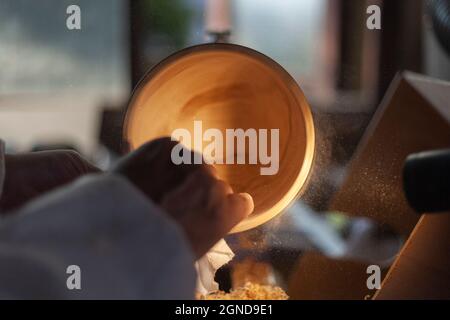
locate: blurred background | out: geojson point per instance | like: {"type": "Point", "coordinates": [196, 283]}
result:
{"type": "Point", "coordinates": [69, 88]}
{"type": "Point", "coordinates": [56, 84]}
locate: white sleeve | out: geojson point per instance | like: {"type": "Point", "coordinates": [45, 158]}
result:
{"type": "Point", "coordinates": [124, 245]}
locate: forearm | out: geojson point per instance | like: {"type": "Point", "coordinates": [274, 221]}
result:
{"type": "Point", "coordinates": [29, 175]}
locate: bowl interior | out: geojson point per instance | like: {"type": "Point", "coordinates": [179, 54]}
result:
{"type": "Point", "coordinates": [231, 87]}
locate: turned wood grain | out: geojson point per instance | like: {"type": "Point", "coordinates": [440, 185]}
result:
{"type": "Point", "coordinates": [229, 87]}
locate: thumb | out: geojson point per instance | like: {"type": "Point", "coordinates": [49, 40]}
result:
{"type": "Point", "coordinates": [239, 206]}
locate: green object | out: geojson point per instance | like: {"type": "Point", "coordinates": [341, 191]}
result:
{"type": "Point", "coordinates": [170, 18]}
{"type": "Point", "coordinates": [337, 219]}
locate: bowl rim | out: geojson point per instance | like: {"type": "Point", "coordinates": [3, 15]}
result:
{"type": "Point", "coordinates": [298, 186]}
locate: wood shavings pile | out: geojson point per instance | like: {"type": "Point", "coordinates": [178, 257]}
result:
{"type": "Point", "coordinates": [250, 291]}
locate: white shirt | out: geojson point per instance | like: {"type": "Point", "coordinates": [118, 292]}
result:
{"type": "Point", "coordinates": [125, 246]}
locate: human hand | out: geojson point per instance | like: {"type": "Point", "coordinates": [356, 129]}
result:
{"type": "Point", "coordinates": [29, 175]}
{"type": "Point", "coordinates": [204, 206]}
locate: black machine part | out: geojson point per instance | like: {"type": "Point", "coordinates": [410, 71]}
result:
{"type": "Point", "coordinates": [426, 181]}
{"type": "Point", "coordinates": [439, 10]}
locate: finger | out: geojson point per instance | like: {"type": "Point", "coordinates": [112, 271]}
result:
{"type": "Point", "coordinates": [153, 162]}
{"type": "Point", "coordinates": [241, 205]}
{"type": "Point", "coordinates": [236, 208]}
{"type": "Point", "coordinates": [218, 192]}
{"type": "Point", "coordinates": [212, 170]}
{"type": "Point", "coordinates": [195, 191]}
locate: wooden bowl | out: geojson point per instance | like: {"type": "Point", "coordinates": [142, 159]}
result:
{"type": "Point", "coordinates": [229, 87]}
